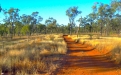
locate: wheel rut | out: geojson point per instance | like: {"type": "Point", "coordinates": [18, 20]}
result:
{"type": "Point", "coordinates": [83, 59]}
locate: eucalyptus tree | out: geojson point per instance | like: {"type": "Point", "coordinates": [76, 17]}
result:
{"type": "Point", "coordinates": [63, 28]}
{"type": "Point", "coordinates": [11, 16]}
{"type": "Point", "coordinates": [80, 20]}
{"type": "Point", "coordinates": [51, 24]}
{"type": "Point", "coordinates": [59, 29]}
{"type": "Point", "coordinates": [90, 20]}
{"type": "Point", "coordinates": [25, 30]}
{"type": "Point", "coordinates": [39, 19]}
{"type": "Point", "coordinates": [99, 8]}
{"type": "Point", "coordinates": [36, 19]}
{"type": "Point", "coordinates": [94, 16]}
{"type": "Point", "coordinates": [24, 19]}
{"type": "Point", "coordinates": [1, 25]}
{"type": "Point", "coordinates": [41, 28]}
{"type": "Point", "coordinates": [116, 24]}
{"type": "Point", "coordinates": [83, 23]}
{"type": "Point", "coordinates": [3, 29]}
{"type": "Point", "coordinates": [116, 5]}
{"type": "Point", "coordinates": [18, 27]}
{"type": "Point", "coordinates": [33, 20]}
{"type": "Point", "coordinates": [109, 13]}
{"type": "Point", "coordinates": [88, 23]}
{"type": "Point", "coordinates": [99, 15]}
{"type": "Point", "coordinates": [105, 14]}
{"type": "Point", "coordinates": [72, 12]}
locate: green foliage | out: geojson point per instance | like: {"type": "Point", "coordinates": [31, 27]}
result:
{"type": "Point", "coordinates": [3, 29]}
{"type": "Point", "coordinates": [104, 18]}
{"type": "Point", "coordinates": [41, 28]}
{"type": "Point", "coordinates": [90, 36]}
{"type": "Point", "coordinates": [25, 29]}
{"type": "Point", "coordinates": [18, 27]}
{"type": "Point", "coordinates": [51, 25]}
{"type": "Point", "coordinates": [72, 12]}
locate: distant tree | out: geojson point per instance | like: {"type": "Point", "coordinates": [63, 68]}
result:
{"type": "Point", "coordinates": [116, 6]}
{"type": "Point", "coordinates": [51, 24]}
{"type": "Point", "coordinates": [40, 28]}
{"type": "Point", "coordinates": [18, 27]}
{"type": "Point", "coordinates": [104, 15]}
{"type": "Point", "coordinates": [83, 22]}
{"type": "Point", "coordinates": [35, 20]}
{"type": "Point", "coordinates": [90, 20]}
{"type": "Point", "coordinates": [25, 29]}
{"type": "Point", "coordinates": [99, 8]}
{"type": "Point", "coordinates": [11, 16]}
{"type": "Point", "coordinates": [72, 12]}
{"type": "Point", "coordinates": [2, 29]}
{"type": "Point", "coordinates": [80, 20]}
{"type": "Point", "coordinates": [25, 19]}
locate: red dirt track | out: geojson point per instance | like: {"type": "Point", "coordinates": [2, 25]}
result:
{"type": "Point", "coordinates": [83, 59]}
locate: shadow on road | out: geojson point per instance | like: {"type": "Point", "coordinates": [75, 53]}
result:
{"type": "Point", "coordinates": [98, 63]}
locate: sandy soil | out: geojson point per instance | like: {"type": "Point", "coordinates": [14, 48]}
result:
{"type": "Point", "coordinates": [82, 59]}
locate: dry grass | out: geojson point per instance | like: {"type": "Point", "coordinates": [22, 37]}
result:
{"type": "Point", "coordinates": [39, 55]}
{"type": "Point", "coordinates": [104, 43]}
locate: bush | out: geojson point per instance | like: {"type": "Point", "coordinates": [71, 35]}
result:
{"type": "Point", "coordinates": [116, 55]}
{"type": "Point", "coordinates": [90, 35]}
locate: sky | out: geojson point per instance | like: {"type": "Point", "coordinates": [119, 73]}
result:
{"type": "Point", "coordinates": [50, 8]}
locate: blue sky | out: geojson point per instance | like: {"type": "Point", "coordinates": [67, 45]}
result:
{"type": "Point", "coordinates": [50, 8]}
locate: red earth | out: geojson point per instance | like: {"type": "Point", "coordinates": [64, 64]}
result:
{"type": "Point", "coordinates": [83, 59]}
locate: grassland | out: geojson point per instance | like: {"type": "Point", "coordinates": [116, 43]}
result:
{"type": "Point", "coordinates": [43, 54]}
{"type": "Point", "coordinates": [36, 55]}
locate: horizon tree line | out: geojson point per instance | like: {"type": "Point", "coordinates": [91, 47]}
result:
{"type": "Point", "coordinates": [104, 19]}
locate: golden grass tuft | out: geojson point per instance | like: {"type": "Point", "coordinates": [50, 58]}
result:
{"type": "Point", "coordinates": [44, 52]}
{"type": "Point", "coordinates": [103, 44]}
{"type": "Point", "coordinates": [115, 54]}
{"type": "Point", "coordinates": [15, 52]}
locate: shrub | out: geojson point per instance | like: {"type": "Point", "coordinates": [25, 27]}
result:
{"type": "Point", "coordinates": [116, 54]}
{"type": "Point", "coordinates": [90, 35]}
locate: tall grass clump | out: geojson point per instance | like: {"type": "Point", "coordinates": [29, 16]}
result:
{"type": "Point", "coordinates": [115, 54]}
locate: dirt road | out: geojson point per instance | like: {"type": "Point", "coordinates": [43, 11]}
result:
{"type": "Point", "coordinates": [82, 59]}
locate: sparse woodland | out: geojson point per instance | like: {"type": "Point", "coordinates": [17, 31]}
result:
{"type": "Point", "coordinates": [104, 19]}
{"type": "Point", "coordinates": [29, 47]}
